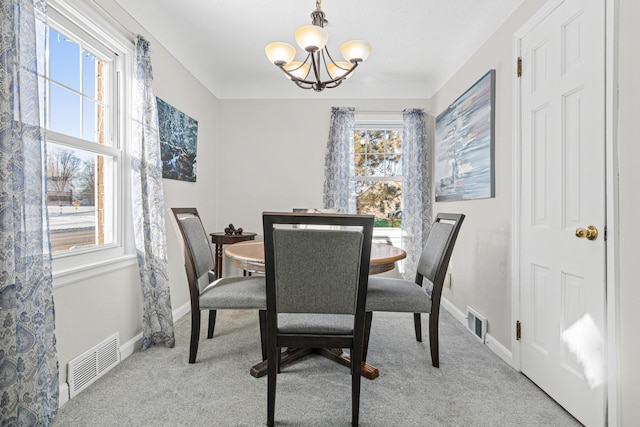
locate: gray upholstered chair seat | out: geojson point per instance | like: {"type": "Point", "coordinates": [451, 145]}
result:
{"type": "Point", "coordinates": [397, 295]}
{"type": "Point", "coordinates": [304, 323]}
{"type": "Point", "coordinates": [235, 292]}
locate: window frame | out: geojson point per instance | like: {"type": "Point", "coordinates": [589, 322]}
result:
{"type": "Point", "coordinates": [89, 27]}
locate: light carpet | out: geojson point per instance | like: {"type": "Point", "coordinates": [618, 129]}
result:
{"type": "Point", "coordinates": [472, 387]}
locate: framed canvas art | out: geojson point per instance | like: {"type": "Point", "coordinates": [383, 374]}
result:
{"type": "Point", "coordinates": [464, 144]}
{"type": "Point", "coordinates": [178, 142]}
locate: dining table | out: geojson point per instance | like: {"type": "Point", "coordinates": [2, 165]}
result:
{"type": "Point", "coordinates": [249, 256]}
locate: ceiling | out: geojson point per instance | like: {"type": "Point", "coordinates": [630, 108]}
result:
{"type": "Point", "coordinates": [417, 44]}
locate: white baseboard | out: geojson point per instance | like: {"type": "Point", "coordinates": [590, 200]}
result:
{"type": "Point", "coordinates": [130, 346]}
{"type": "Point", "coordinates": [64, 394]}
{"type": "Point", "coordinates": [453, 310]}
{"type": "Point", "coordinates": [501, 351]}
{"type": "Point", "coordinates": [181, 311]}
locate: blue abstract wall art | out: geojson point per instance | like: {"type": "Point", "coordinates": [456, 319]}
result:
{"type": "Point", "coordinates": [464, 144]}
{"type": "Point", "coordinates": [178, 142]}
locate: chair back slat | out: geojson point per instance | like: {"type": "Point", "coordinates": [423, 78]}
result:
{"type": "Point", "coordinates": [326, 261]}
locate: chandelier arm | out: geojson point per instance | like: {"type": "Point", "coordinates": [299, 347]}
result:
{"type": "Point", "coordinates": [342, 77]}
{"type": "Point", "coordinates": [330, 57]}
{"type": "Point", "coordinates": [335, 84]}
{"type": "Point", "coordinates": [301, 84]}
{"type": "Point", "coordinates": [295, 79]}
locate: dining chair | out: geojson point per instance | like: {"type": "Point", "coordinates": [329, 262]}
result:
{"type": "Point", "coordinates": [208, 292]}
{"type": "Point", "coordinates": [316, 289]}
{"type": "Point", "coordinates": [422, 295]}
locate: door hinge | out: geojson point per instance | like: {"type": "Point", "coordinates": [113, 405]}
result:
{"type": "Point", "coordinates": [519, 67]}
{"type": "Point", "coordinates": [518, 330]}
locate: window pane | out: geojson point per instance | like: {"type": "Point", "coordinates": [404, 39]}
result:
{"type": "Point", "coordinates": [77, 217]}
{"type": "Point", "coordinates": [89, 74]}
{"type": "Point", "coordinates": [65, 111]}
{"type": "Point", "coordinates": [64, 60]}
{"type": "Point", "coordinates": [383, 199]}
{"type": "Point", "coordinates": [89, 115]}
{"type": "Point", "coordinates": [377, 152]}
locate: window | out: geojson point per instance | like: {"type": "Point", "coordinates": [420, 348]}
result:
{"type": "Point", "coordinates": [81, 93]}
{"type": "Point", "coordinates": [378, 169]}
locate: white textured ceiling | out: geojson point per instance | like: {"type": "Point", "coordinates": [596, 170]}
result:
{"type": "Point", "coordinates": [417, 44]}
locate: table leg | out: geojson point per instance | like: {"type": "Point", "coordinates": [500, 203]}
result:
{"type": "Point", "coordinates": [336, 354]}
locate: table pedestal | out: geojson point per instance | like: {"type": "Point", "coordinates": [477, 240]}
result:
{"type": "Point", "coordinates": [336, 354]}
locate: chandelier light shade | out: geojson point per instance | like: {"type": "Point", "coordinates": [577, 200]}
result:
{"type": "Point", "coordinates": [318, 70]}
{"type": "Point", "coordinates": [312, 38]}
{"type": "Point", "coordinates": [280, 53]}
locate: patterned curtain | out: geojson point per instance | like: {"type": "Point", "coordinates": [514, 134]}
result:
{"type": "Point", "coordinates": [416, 197]}
{"type": "Point", "coordinates": [339, 166]}
{"type": "Point", "coordinates": [148, 207]}
{"type": "Point", "coordinates": [28, 360]}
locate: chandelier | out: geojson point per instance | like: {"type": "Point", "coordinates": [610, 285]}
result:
{"type": "Point", "coordinates": [318, 71]}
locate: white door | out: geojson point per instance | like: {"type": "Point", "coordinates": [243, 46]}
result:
{"type": "Point", "coordinates": [562, 277]}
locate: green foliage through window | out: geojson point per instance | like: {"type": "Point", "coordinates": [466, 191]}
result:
{"type": "Point", "coordinates": [378, 175]}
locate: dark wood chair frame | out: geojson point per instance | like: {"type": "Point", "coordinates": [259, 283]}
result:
{"type": "Point", "coordinates": [276, 340]}
{"type": "Point", "coordinates": [436, 295]}
{"type": "Point", "coordinates": [194, 294]}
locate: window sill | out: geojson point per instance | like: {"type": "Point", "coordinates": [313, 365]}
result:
{"type": "Point", "coordinates": [64, 277]}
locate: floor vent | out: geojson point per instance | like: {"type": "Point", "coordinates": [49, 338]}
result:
{"type": "Point", "coordinates": [92, 364]}
{"type": "Point", "coordinates": [476, 323]}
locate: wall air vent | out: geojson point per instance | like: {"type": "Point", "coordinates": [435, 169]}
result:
{"type": "Point", "coordinates": [476, 323]}
{"type": "Point", "coordinates": [92, 364]}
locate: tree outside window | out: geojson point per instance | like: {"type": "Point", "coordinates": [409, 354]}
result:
{"type": "Point", "coordinates": [378, 175]}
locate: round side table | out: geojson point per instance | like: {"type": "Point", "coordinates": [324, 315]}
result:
{"type": "Point", "coordinates": [220, 239]}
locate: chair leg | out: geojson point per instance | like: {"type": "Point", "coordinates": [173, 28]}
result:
{"type": "Point", "coordinates": [433, 340]}
{"type": "Point", "coordinates": [262, 315]}
{"type": "Point", "coordinates": [417, 323]}
{"type": "Point", "coordinates": [195, 335]}
{"type": "Point", "coordinates": [272, 374]}
{"type": "Point", "coordinates": [356, 371]}
{"type": "Point", "coordinates": [212, 323]}
{"type": "Point", "coordinates": [368, 317]}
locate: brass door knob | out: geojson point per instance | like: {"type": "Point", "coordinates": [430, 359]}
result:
{"type": "Point", "coordinates": [590, 233]}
